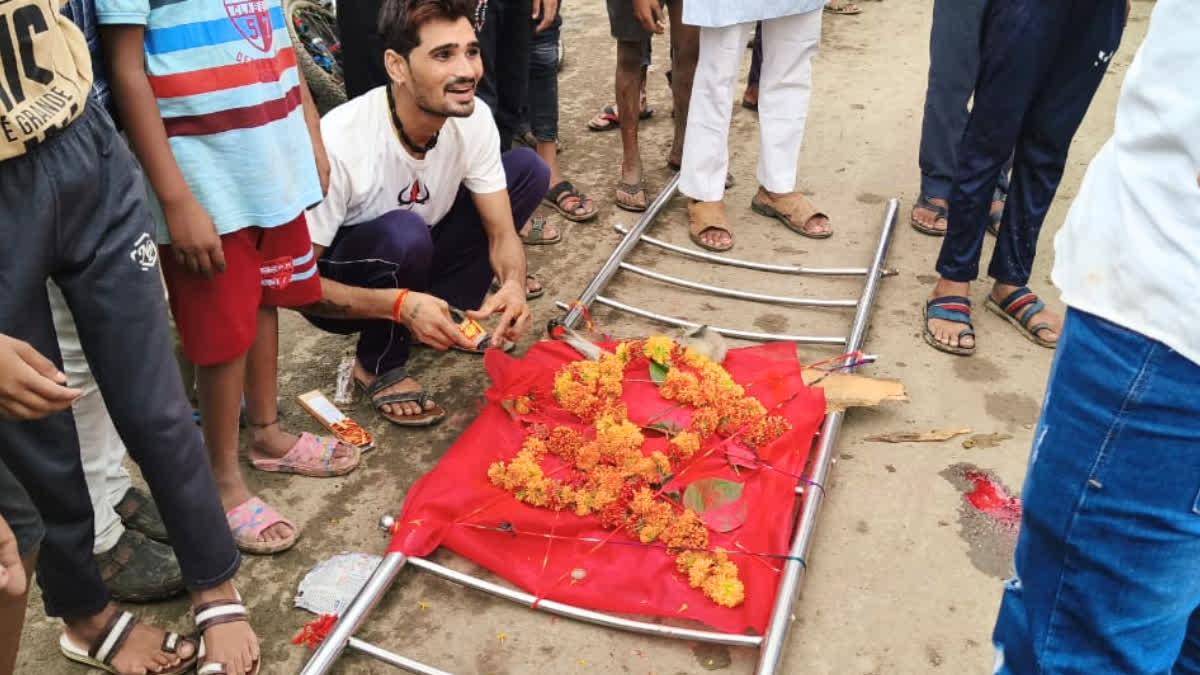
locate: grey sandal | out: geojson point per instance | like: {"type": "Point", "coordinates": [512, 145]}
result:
{"type": "Point", "coordinates": [536, 236]}
{"type": "Point", "coordinates": [427, 416]}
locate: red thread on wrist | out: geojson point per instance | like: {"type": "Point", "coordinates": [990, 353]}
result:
{"type": "Point", "coordinates": [398, 304]}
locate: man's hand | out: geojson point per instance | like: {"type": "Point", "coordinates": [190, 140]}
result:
{"type": "Point", "coordinates": [194, 238]}
{"type": "Point", "coordinates": [12, 572]}
{"type": "Point", "coordinates": [510, 303]}
{"type": "Point", "coordinates": [428, 319]}
{"type": "Point", "coordinates": [547, 9]}
{"type": "Point", "coordinates": [649, 13]}
{"type": "Point", "coordinates": [31, 387]}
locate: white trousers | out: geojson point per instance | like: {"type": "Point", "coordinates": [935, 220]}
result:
{"type": "Point", "coordinates": [100, 446]}
{"type": "Point", "coordinates": [789, 44]}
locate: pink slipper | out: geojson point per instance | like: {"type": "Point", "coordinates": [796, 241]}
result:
{"type": "Point", "coordinates": [248, 520]}
{"type": "Point", "coordinates": [311, 456]}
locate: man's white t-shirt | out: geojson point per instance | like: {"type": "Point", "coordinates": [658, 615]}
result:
{"type": "Point", "coordinates": [371, 173]}
{"type": "Point", "coordinates": [1130, 249]}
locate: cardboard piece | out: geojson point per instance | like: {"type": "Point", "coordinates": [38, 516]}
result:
{"type": "Point", "coordinates": [846, 390]}
{"type": "Point", "coordinates": [337, 422]}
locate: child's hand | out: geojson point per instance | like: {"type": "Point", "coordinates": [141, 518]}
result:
{"type": "Point", "coordinates": [31, 387]}
{"type": "Point", "coordinates": [194, 237]}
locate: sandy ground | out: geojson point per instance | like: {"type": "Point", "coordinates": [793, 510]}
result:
{"type": "Point", "coordinates": [904, 576]}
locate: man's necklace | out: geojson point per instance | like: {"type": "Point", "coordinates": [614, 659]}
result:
{"type": "Point", "coordinates": [399, 128]}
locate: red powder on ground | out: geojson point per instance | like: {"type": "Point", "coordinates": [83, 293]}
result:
{"type": "Point", "coordinates": [992, 498]}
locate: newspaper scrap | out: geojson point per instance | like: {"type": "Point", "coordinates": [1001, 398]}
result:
{"type": "Point", "coordinates": [332, 584]}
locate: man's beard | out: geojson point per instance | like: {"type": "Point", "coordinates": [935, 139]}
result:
{"type": "Point", "coordinates": [446, 107]}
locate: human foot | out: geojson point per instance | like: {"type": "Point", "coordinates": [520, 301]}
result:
{"type": "Point", "coordinates": [750, 98]}
{"type": "Point", "coordinates": [247, 516]}
{"type": "Point", "coordinates": [273, 449]}
{"type": "Point", "coordinates": [570, 202]}
{"type": "Point", "coordinates": [708, 226]}
{"type": "Point", "coordinates": [929, 215]}
{"type": "Point", "coordinates": [227, 640]}
{"type": "Point", "coordinates": [116, 642]}
{"type": "Point", "coordinates": [948, 318]}
{"type": "Point", "coordinates": [1022, 308]}
{"type": "Point", "coordinates": [399, 398]}
{"type": "Point", "coordinates": [793, 209]}
{"type": "Point", "coordinates": [535, 232]}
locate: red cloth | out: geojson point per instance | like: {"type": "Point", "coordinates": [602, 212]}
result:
{"type": "Point", "coordinates": [621, 575]}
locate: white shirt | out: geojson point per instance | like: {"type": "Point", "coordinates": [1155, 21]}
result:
{"type": "Point", "coordinates": [1130, 249]}
{"type": "Point", "coordinates": [371, 173]}
{"type": "Point", "coordinates": [719, 13]}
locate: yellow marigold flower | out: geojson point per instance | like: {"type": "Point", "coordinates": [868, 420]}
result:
{"type": "Point", "coordinates": [623, 353]}
{"type": "Point", "coordinates": [725, 590]}
{"type": "Point", "coordinates": [698, 571]}
{"type": "Point", "coordinates": [662, 466]}
{"type": "Point", "coordinates": [649, 533]}
{"type": "Point", "coordinates": [642, 502]}
{"type": "Point", "coordinates": [658, 349]}
{"type": "Point", "coordinates": [687, 442]}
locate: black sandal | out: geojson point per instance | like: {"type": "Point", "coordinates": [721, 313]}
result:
{"type": "Point", "coordinates": [565, 189]}
{"type": "Point", "coordinates": [427, 416]}
{"type": "Point", "coordinates": [939, 212]}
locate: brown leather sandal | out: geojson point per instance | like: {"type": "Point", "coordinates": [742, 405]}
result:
{"type": "Point", "coordinates": [794, 210]}
{"type": "Point", "coordinates": [705, 216]}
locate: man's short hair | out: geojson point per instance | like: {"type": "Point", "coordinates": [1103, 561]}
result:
{"type": "Point", "coordinates": [400, 21]}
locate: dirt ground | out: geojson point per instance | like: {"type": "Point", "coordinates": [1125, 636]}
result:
{"type": "Point", "coordinates": [904, 577]}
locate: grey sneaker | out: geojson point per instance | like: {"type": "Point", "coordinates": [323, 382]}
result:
{"type": "Point", "coordinates": [139, 569]}
{"type": "Point", "coordinates": [138, 512]}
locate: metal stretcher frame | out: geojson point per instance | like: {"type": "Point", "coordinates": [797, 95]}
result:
{"type": "Point", "coordinates": [811, 493]}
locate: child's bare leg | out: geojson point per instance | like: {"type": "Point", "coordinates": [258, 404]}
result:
{"type": "Point", "coordinates": [220, 391]}
{"type": "Point", "coordinates": [262, 391]}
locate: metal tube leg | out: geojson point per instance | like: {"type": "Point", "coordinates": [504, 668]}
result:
{"type": "Point", "coordinates": [379, 583]}
{"type": "Point", "coordinates": [614, 261]}
{"type": "Point", "coordinates": [781, 615]}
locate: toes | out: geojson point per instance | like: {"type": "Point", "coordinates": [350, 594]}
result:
{"type": "Point", "coordinates": [430, 405]}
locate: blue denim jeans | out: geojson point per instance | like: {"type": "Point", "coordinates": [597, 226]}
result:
{"type": "Point", "coordinates": [1108, 558]}
{"type": "Point", "coordinates": [543, 83]}
{"type": "Point", "coordinates": [953, 69]}
{"type": "Point", "coordinates": [1040, 63]}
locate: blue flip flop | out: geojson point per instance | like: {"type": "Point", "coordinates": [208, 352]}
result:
{"type": "Point", "coordinates": [950, 308]}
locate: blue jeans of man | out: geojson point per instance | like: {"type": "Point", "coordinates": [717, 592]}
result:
{"type": "Point", "coordinates": [543, 83]}
{"type": "Point", "coordinates": [1040, 64]}
{"type": "Point", "coordinates": [1108, 557]}
{"type": "Point", "coordinates": [953, 70]}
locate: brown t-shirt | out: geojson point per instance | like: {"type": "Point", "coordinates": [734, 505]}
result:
{"type": "Point", "coordinates": [45, 73]}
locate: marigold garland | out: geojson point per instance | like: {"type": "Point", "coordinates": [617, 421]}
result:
{"type": "Point", "coordinates": [605, 471]}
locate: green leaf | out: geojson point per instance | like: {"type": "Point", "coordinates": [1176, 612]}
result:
{"type": "Point", "coordinates": [718, 501]}
{"type": "Point", "coordinates": [658, 372]}
{"type": "Point", "coordinates": [709, 493]}
{"type": "Point", "coordinates": [665, 428]}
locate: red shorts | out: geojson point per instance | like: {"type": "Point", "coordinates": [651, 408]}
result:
{"type": "Point", "coordinates": [217, 317]}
